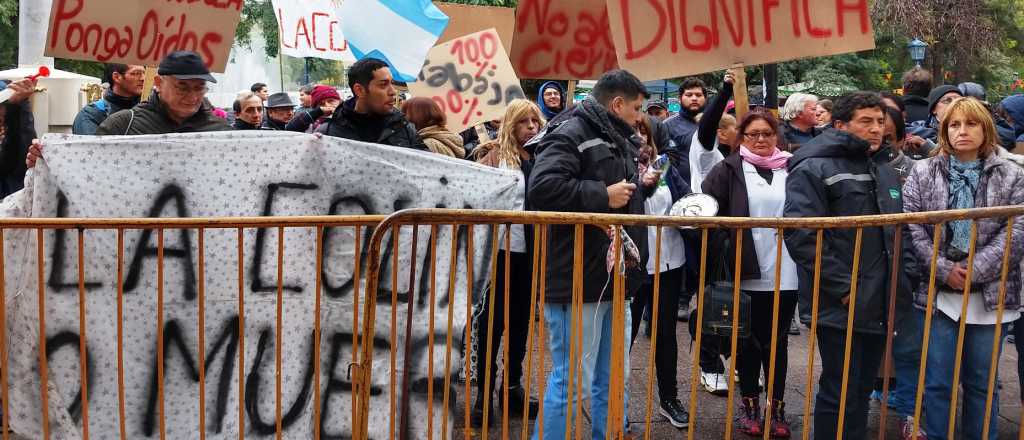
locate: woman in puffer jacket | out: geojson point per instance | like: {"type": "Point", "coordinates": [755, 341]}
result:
{"type": "Point", "coordinates": [430, 123]}
{"type": "Point", "coordinates": [966, 172]}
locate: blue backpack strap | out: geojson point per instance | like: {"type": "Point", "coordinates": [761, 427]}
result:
{"type": "Point", "coordinates": [102, 105]}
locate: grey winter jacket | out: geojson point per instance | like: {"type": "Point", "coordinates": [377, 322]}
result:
{"type": "Point", "coordinates": [1002, 184]}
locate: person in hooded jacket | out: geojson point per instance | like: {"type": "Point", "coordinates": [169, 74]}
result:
{"type": "Point", "coordinates": [840, 174]}
{"type": "Point", "coordinates": [1012, 110]}
{"type": "Point", "coordinates": [124, 92]}
{"type": "Point", "coordinates": [588, 163]}
{"type": "Point", "coordinates": [521, 122]}
{"type": "Point", "coordinates": [430, 121]}
{"type": "Point", "coordinates": [370, 115]}
{"type": "Point", "coordinates": [551, 98]}
{"type": "Point", "coordinates": [17, 130]}
{"type": "Point", "coordinates": [966, 173]}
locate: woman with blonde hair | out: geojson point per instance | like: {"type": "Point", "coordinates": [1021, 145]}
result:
{"type": "Point", "coordinates": [965, 172]}
{"type": "Point", "coordinates": [522, 121]}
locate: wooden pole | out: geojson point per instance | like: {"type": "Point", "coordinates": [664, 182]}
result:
{"type": "Point", "coordinates": [570, 96]}
{"type": "Point", "coordinates": [147, 86]}
{"type": "Point", "coordinates": [739, 88]}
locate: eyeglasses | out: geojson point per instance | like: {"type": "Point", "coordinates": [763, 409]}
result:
{"type": "Point", "coordinates": [185, 90]}
{"type": "Point", "coordinates": [758, 136]}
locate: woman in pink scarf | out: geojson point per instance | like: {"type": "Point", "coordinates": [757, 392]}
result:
{"type": "Point", "coordinates": [751, 182]}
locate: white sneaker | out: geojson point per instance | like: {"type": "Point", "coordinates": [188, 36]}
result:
{"type": "Point", "coordinates": [715, 383]}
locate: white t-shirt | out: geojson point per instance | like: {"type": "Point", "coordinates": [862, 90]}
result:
{"type": "Point", "coordinates": [768, 200]}
{"type": "Point", "coordinates": [701, 162]}
{"type": "Point", "coordinates": [950, 304]}
{"type": "Point", "coordinates": [673, 255]}
{"type": "Point", "coordinates": [518, 239]}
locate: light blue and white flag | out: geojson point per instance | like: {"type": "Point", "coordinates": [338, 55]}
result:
{"type": "Point", "coordinates": [400, 32]}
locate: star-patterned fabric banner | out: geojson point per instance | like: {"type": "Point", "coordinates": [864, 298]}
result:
{"type": "Point", "coordinates": [225, 175]}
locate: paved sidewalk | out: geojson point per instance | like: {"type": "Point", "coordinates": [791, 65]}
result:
{"type": "Point", "coordinates": [709, 417]}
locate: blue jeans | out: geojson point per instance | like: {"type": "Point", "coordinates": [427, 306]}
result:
{"type": "Point", "coordinates": [595, 367]}
{"type": "Point", "coordinates": [906, 360]}
{"type": "Point", "coordinates": [974, 371]}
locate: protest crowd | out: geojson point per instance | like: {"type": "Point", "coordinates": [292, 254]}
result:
{"type": "Point", "coordinates": [937, 147]}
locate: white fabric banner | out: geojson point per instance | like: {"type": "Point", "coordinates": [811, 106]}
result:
{"type": "Point", "coordinates": [312, 28]}
{"type": "Point", "coordinates": [233, 174]}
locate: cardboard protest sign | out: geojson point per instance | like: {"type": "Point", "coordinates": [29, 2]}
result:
{"type": "Point", "coordinates": [467, 19]}
{"type": "Point", "coordinates": [224, 175]}
{"type": "Point", "coordinates": [142, 31]}
{"type": "Point", "coordinates": [471, 78]}
{"type": "Point", "coordinates": [562, 39]}
{"type": "Point", "coordinates": [665, 38]}
{"type": "Point", "coordinates": [311, 28]}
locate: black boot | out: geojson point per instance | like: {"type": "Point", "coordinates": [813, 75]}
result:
{"type": "Point", "coordinates": [516, 400]}
{"type": "Point", "coordinates": [476, 417]}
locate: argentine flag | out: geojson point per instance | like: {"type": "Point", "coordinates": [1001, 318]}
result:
{"type": "Point", "coordinates": [400, 32]}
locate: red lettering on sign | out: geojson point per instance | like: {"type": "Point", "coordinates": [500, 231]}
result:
{"type": "Point", "coordinates": [858, 6]}
{"type": "Point", "coordinates": [708, 40]}
{"type": "Point", "coordinates": [344, 43]}
{"type": "Point", "coordinates": [631, 53]}
{"type": "Point", "coordinates": [280, 29]}
{"type": "Point", "coordinates": [301, 29]}
{"type": "Point", "coordinates": [767, 6]}
{"type": "Point", "coordinates": [736, 30]}
{"type": "Point", "coordinates": [315, 33]}
{"type": "Point", "coordinates": [814, 31]}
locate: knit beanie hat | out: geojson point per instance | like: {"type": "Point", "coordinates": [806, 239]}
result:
{"type": "Point", "coordinates": [322, 93]}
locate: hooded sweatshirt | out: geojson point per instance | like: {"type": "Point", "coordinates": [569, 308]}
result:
{"type": "Point", "coordinates": [550, 112]}
{"type": "Point", "coordinates": [1014, 107]}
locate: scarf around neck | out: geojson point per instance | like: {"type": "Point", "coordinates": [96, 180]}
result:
{"type": "Point", "coordinates": [777, 161]}
{"type": "Point", "coordinates": [609, 123]}
{"type": "Point", "coordinates": [963, 184]}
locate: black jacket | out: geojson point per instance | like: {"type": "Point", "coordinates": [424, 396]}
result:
{"type": "Point", "coordinates": [20, 130]}
{"type": "Point", "coordinates": [727, 184]}
{"type": "Point", "coordinates": [835, 175]}
{"type": "Point", "coordinates": [917, 108]}
{"type": "Point", "coordinates": [242, 125]}
{"type": "Point", "coordinates": [577, 159]}
{"type": "Point", "coordinates": [151, 117]}
{"type": "Point", "coordinates": [270, 124]}
{"type": "Point", "coordinates": [796, 138]}
{"type": "Point", "coordinates": [397, 131]}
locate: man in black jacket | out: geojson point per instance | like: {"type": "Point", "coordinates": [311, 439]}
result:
{"type": "Point", "coordinates": [125, 92]}
{"type": "Point", "coordinates": [839, 174]}
{"type": "Point", "coordinates": [588, 163]}
{"type": "Point", "coordinates": [371, 116]}
{"type": "Point", "coordinates": [176, 105]}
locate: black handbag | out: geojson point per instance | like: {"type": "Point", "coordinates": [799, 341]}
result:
{"type": "Point", "coordinates": [718, 302]}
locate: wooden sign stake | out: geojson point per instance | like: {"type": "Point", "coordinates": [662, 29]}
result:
{"type": "Point", "coordinates": [147, 86]}
{"type": "Point", "coordinates": [570, 96]}
{"type": "Point", "coordinates": [739, 88]}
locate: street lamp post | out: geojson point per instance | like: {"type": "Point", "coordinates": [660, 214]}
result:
{"type": "Point", "coordinates": [918, 49]}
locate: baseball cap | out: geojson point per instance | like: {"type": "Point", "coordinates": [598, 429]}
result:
{"type": "Point", "coordinates": [185, 64]}
{"type": "Point", "coordinates": [657, 104]}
